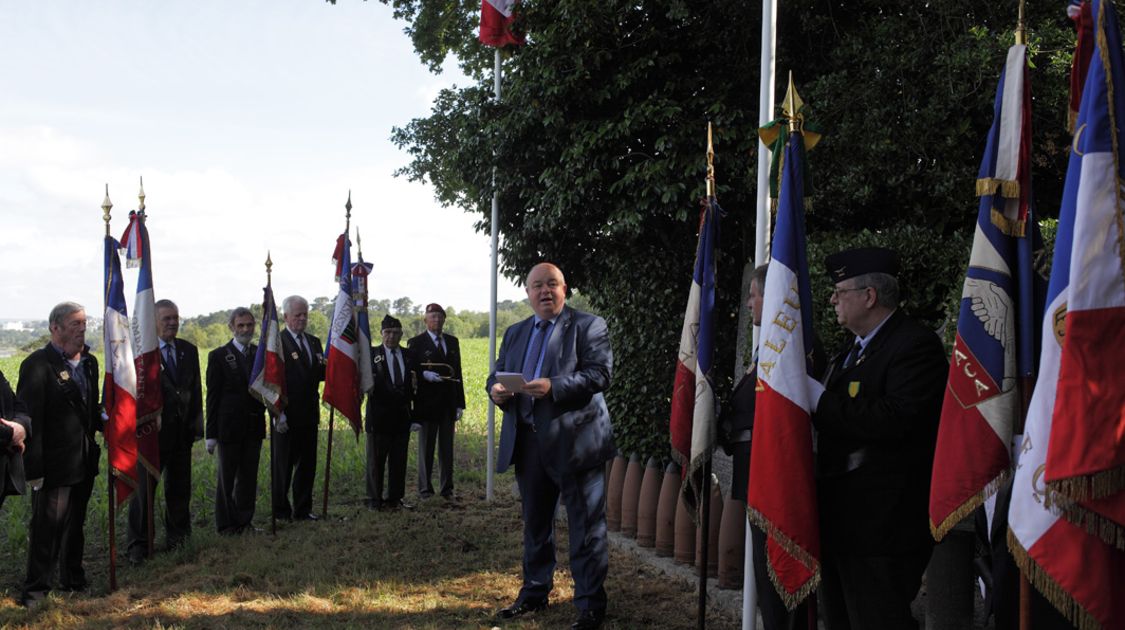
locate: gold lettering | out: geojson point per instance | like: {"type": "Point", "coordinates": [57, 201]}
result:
{"type": "Point", "coordinates": [785, 321]}
{"type": "Point", "coordinates": [764, 367]}
{"type": "Point", "coordinates": [773, 346]}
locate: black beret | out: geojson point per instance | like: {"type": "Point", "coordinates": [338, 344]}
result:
{"type": "Point", "coordinates": [391, 322]}
{"type": "Point", "coordinates": [857, 262]}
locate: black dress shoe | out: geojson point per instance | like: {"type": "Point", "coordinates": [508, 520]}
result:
{"type": "Point", "coordinates": [588, 619]}
{"type": "Point", "coordinates": [519, 609]}
{"type": "Point", "coordinates": [404, 505]}
{"type": "Point", "coordinates": [308, 517]}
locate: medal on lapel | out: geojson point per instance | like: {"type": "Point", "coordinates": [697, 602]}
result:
{"type": "Point", "coordinates": [853, 388]}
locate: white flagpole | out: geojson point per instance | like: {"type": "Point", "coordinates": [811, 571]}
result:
{"type": "Point", "coordinates": [761, 234]}
{"type": "Point", "coordinates": [492, 313]}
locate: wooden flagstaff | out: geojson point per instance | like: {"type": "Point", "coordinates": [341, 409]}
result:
{"type": "Point", "coordinates": [150, 482]}
{"type": "Point", "coordinates": [107, 205]}
{"type": "Point", "coordinates": [705, 504]}
{"type": "Point", "coordinates": [331, 409]}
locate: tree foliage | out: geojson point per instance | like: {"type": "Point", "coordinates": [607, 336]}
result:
{"type": "Point", "coordinates": [599, 142]}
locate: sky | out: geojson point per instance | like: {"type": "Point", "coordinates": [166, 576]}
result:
{"type": "Point", "coordinates": [249, 121]}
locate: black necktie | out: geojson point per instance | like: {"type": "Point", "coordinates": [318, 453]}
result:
{"type": "Point", "coordinates": [301, 351]}
{"type": "Point", "coordinates": [439, 346]}
{"type": "Point", "coordinates": [170, 359]}
{"type": "Point", "coordinates": [396, 377]}
{"type": "Point", "coordinates": [853, 356]}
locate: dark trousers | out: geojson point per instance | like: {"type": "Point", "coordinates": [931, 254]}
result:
{"type": "Point", "coordinates": [583, 494]}
{"type": "Point", "coordinates": [293, 457]}
{"type": "Point", "coordinates": [237, 485]}
{"type": "Point", "coordinates": [175, 466]}
{"type": "Point", "coordinates": [440, 433]}
{"type": "Point", "coordinates": [58, 516]}
{"type": "Point", "coordinates": [859, 592]}
{"type": "Point", "coordinates": [386, 452]}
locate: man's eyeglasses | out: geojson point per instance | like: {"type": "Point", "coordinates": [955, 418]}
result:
{"type": "Point", "coordinates": [836, 292]}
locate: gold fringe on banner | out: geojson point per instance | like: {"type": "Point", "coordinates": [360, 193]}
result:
{"type": "Point", "coordinates": [792, 600]}
{"type": "Point", "coordinates": [1065, 495]}
{"type": "Point", "coordinates": [972, 503]}
{"type": "Point", "coordinates": [1011, 227]}
{"type": "Point", "coordinates": [1051, 590]}
{"type": "Point", "coordinates": [1008, 188]}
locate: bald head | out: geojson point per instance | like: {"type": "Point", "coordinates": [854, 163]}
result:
{"type": "Point", "coordinates": [546, 290]}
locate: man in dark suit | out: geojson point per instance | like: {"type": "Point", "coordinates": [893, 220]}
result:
{"type": "Point", "coordinates": [440, 401]}
{"type": "Point", "coordinates": [235, 425]}
{"type": "Point", "coordinates": [295, 434]}
{"type": "Point", "coordinates": [181, 425]}
{"type": "Point", "coordinates": [59, 385]}
{"type": "Point", "coordinates": [15, 427]}
{"type": "Point", "coordinates": [388, 418]}
{"type": "Point", "coordinates": [557, 432]}
{"type": "Point", "coordinates": [877, 428]}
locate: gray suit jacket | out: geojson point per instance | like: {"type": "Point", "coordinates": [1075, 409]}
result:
{"type": "Point", "coordinates": [571, 423]}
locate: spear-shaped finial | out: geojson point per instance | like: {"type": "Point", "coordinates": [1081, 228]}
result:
{"type": "Point", "coordinates": [710, 163]}
{"type": "Point", "coordinates": [1021, 28]}
{"type": "Point", "coordinates": [107, 205]}
{"type": "Point", "coordinates": [141, 198]}
{"type": "Point", "coordinates": [269, 267]}
{"type": "Point", "coordinates": [792, 107]}
{"type": "Point", "coordinates": [358, 241]}
{"type": "Point", "coordinates": [348, 207]}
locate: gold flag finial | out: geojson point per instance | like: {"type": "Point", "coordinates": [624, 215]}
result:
{"type": "Point", "coordinates": [710, 163]}
{"type": "Point", "coordinates": [141, 197]}
{"type": "Point", "coordinates": [1021, 28]}
{"type": "Point", "coordinates": [269, 267]}
{"type": "Point", "coordinates": [792, 107]}
{"type": "Point", "coordinates": [107, 205]}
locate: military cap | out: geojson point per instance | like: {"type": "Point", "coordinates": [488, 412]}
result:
{"type": "Point", "coordinates": [434, 308]}
{"type": "Point", "coordinates": [391, 322]}
{"type": "Point", "coordinates": [860, 261]}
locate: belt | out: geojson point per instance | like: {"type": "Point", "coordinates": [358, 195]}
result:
{"type": "Point", "coordinates": [847, 463]}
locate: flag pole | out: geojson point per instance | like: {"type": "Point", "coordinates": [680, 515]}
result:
{"type": "Point", "coordinates": [331, 409]}
{"type": "Point", "coordinates": [107, 205]}
{"type": "Point", "coordinates": [705, 504]}
{"type": "Point", "coordinates": [150, 489]}
{"type": "Point", "coordinates": [761, 240]}
{"type": "Point", "coordinates": [269, 285]}
{"type": "Point", "coordinates": [495, 237]}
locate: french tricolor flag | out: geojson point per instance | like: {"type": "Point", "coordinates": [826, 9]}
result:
{"type": "Point", "coordinates": [1068, 546]}
{"type": "Point", "coordinates": [496, 17]}
{"type": "Point", "coordinates": [782, 494]}
{"type": "Point", "coordinates": [267, 376]}
{"type": "Point", "coordinates": [119, 394]}
{"type": "Point", "coordinates": [692, 425]}
{"type": "Point", "coordinates": [146, 343]}
{"type": "Point", "coordinates": [341, 380]}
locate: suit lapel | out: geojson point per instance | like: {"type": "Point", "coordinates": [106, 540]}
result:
{"type": "Point", "coordinates": [61, 371]}
{"type": "Point", "coordinates": [555, 343]}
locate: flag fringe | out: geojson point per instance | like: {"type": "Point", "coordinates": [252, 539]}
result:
{"type": "Point", "coordinates": [1109, 531]}
{"type": "Point", "coordinates": [152, 470]}
{"type": "Point", "coordinates": [123, 477]}
{"type": "Point", "coordinates": [1054, 593]}
{"type": "Point", "coordinates": [1086, 487]}
{"type": "Point", "coordinates": [972, 503]}
{"type": "Point", "coordinates": [792, 600]}
{"type": "Point", "coordinates": [1011, 227]}
{"type": "Point", "coordinates": [1008, 188]}
{"type": "Point", "coordinates": [691, 488]}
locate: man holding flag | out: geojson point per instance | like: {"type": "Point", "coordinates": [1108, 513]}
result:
{"type": "Point", "coordinates": [877, 425]}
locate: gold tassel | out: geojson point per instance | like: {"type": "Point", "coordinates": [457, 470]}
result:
{"type": "Point", "coordinates": [1051, 590]}
{"type": "Point", "coordinates": [956, 516]}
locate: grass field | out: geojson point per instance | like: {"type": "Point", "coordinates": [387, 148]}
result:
{"type": "Point", "coordinates": [442, 565]}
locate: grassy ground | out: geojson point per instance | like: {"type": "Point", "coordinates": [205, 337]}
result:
{"type": "Point", "coordinates": [442, 565]}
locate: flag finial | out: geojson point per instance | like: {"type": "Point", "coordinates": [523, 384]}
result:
{"type": "Point", "coordinates": [141, 197]}
{"type": "Point", "coordinates": [792, 107]}
{"type": "Point", "coordinates": [710, 163]}
{"type": "Point", "coordinates": [107, 205]}
{"type": "Point", "coordinates": [269, 266]}
{"type": "Point", "coordinates": [358, 241]}
{"type": "Point", "coordinates": [348, 207]}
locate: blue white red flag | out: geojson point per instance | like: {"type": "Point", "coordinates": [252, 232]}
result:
{"type": "Point", "coordinates": [692, 425]}
{"type": "Point", "coordinates": [1076, 570]}
{"type": "Point", "coordinates": [994, 353]}
{"type": "Point", "coordinates": [1086, 457]}
{"type": "Point", "coordinates": [146, 344]}
{"type": "Point", "coordinates": [267, 376]}
{"type": "Point", "coordinates": [341, 381]}
{"type": "Point", "coordinates": [782, 495]}
{"type": "Point", "coordinates": [119, 394]}
{"type": "Point", "coordinates": [361, 273]}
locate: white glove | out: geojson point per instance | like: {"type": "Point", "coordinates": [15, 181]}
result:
{"type": "Point", "coordinates": [415, 427]}
{"type": "Point", "coordinates": [282, 425]}
{"type": "Point", "coordinates": [431, 377]}
{"type": "Point", "coordinates": [211, 444]}
{"type": "Point", "coordinates": [460, 412]}
{"type": "Point", "coordinates": [815, 389]}
{"type": "Point", "coordinates": [35, 484]}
